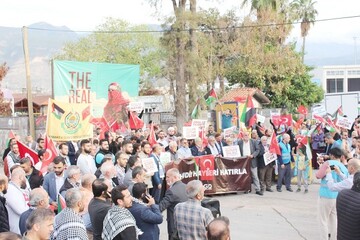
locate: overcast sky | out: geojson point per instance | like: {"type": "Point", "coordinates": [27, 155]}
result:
{"type": "Point", "coordinates": [86, 15]}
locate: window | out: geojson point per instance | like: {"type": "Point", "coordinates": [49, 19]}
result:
{"type": "Point", "coordinates": [334, 85]}
{"type": "Point", "coordinates": [334, 73]}
{"type": "Point", "coordinates": [354, 72]}
{"type": "Point", "coordinates": [353, 84]}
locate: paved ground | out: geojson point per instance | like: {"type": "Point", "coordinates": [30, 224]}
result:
{"type": "Point", "coordinates": [274, 216]}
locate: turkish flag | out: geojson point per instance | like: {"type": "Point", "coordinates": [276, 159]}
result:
{"type": "Point", "coordinates": [282, 119]}
{"type": "Point", "coordinates": [319, 118]}
{"type": "Point", "coordinates": [134, 121]}
{"type": "Point", "coordinates": [25, 151]}
{"type": "Point", "coordinates": [302, 110]}
{"type": "Point", "coordinates": [274, 145]}
{"type": "Point", "coordinates": [102, 124]}
{"type": "Point", "coordinates": [207, 166]}
{"type": "Point", "coordinates": [152, 136]}
{"type": "Point", "coordinates": [49, 155]}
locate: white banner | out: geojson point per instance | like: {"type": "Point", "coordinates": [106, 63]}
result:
{"type": "Point", "coordinates": [319, 110]}
{"type": "Point", "coordinates": [136, 106]}
{"type": "Point", "coordinates": [231, 151]}
{"type": "Point", "coordinates": [165, 158]}
{"type": "Point", "coordinates": [149, 164]}
{"type": "Point", "coordinates": [229, 131]}
{"type": "Point", "coordinates": [198, 123]}
{"type": "Point", "coordinates": [260, 118]}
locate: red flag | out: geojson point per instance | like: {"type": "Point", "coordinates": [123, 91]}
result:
{"type": "Point", "coordinates": [102, 124]}
{"type": "Point", "coordinates": [282, 119]}
{"type": "Point", "coordinates": [11, 134]}
{"type": "Point", "coordinates": [86, 112]}
{"type": "Point", "coordinates": [302, 110]}
{"type": "Point", "coordinates": [152, 136]}
{"type": "Point", "coordinates": [188, 124]}
{"type": "Point", "coordinates": [319, 118]}
{"type": "Point", "coordinates": [302, 139]}
{"type": "Point", "coordinates": [207, 166]}
{"type": "Point", "coordinates": [274, 145]}
{"type": "Point", "coordinates": [248, 115]}
{"type": "Point", "coordinates": [134, 121]}
{"type": "Point", "coordinates": [49, 155]}
{"type": "Point", "coordinates": [240, 99]}
{"type": "Point", "coordinates": [25, 151]}
{"type": "Point", "coordinates": [202, 135]}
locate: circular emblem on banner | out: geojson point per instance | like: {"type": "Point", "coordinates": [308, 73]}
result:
{"type": "Point", "coordinates": [207, 162]}
{"type": "Point", "coordinates": [72, 123]}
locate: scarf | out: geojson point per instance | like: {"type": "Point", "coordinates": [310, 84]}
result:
{"type": "Point", "coordinates": [117, 220]}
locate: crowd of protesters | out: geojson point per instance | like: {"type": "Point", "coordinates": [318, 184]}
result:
{"type": "Point", "coordinates": [108, 194]}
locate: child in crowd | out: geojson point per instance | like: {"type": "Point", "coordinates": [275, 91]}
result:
{"type": "Point", "coordinates": [301, 168]}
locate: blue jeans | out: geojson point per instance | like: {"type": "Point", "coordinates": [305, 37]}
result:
{"type": "Point", "coordinates": [284, 173]}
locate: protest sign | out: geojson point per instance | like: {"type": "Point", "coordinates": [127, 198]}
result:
{"type": "Point", "coordinates": [149, 164]}
{"type": "Point", "coordinates": [190, 132]}
{"type": "Point", "coordinates": [344, 122]}
{"type": "Point", "coordinates": [229, 131]}
{"type": "Point", "coordinates": [231, 151]}
{"type": "Point", "coordinates": [269, 157]}
{"type": "Point", "coordinates": [165, 158]}
{"type": "Point", "coordinates": [260, 118]}
{"type": "Point", "coordinates": [136, 106]}
{"type": "Point", "coordinates": [198, 123]}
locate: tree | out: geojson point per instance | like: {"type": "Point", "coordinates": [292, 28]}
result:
{"type": "Point", "coordinates": [306, 12]}
{"type": "Point", "coordinates": [116, 41]}
{"type": "Point", "coordinates": [5, 108]}
{"type": "Point", "coordinates": [259, 60]}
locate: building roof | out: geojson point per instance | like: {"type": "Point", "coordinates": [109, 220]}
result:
{"type": "Point", "coordinates": [244, 92]}
{"type": "Point", "coordinates": [40, 100]}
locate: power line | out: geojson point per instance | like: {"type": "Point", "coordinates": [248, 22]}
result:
{"type": "Point", "coordinates": [197, 29]}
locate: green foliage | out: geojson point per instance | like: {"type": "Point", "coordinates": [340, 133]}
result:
{"type": "Point", "coordinates": [113, 44]}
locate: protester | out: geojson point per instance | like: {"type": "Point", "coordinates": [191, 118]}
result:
{"type": "Point", "coordinates": [104, 150]}
{"type": "Point", "coordinates": [173, 147]}
{"type": "Point", "coordinates": [265, 171]}
{"type": "Point", "coordinates": [158, 177]}
{"type": "Point", "coordinates": [284, 166]}
{"type": "Point", "coordinates": [99, 206]}
{"type": "Point", "coordinates": [64, 152]}
{"type": "Point", "coordinates": [53, 181]}
{"type": "Point", "coordinates": [40, 144]}
{"type": "Point", "coordinates": [39, 225]}
{"type": "Point", "coordinates": [346, 181]}
{"type": "Point", "coordinates": [108, 172]}
{"type": "Point", "coordinates": [138, 176]}
{"type": "Point", "coordinates": [134, 161]}
{"type": "Point", "coordinates": [72, 181]}
{"type": "Point", "coordinates": [69, 217]}
{"type": "Point", "coordinates": [302, 168]}
{"type": "Point", "coordinates": [184, 152]}
{"type": "Point", "coordinates": [39, 198]}
{"type": "Point", "coordinates": [17, 198]}
{"type": "Point", "coordinates": [146, 213]}
{"type": "Point", "coordinates": [190, 218]}
{"type": "Point", "coordinates": [85, 161]}
{"type": "Point", "coordinates": [218, 229]}
{"type": "Point", "coordinates": [175, 194]}
{"type": "Point", "coordinates": [34, 177]}
{"type": "Point", "coordinates": [4, 216]}
{"type": "Point", "coordinates": [119, 223]}
{"type": "Point", "coordinates": [198, 149]}
{"type": "Point", "coordinates": [120, 167]}
{"type": "Point", "coordinates": [211, 147]}
{"type": "Point", "coordinates": [12, 158]}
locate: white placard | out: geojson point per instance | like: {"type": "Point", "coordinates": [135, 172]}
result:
{"type": "Point", "coordinates": [319, 110]}
{"type": "Point", "coordinates": [229, 131]}
{"type": "Point", "coordinates": [260, 118]}
{"type": "Point", "coordinates": [190, 132]}
{"type": "Point", "coordinates": [231, 151]}
{"type": "Point", "coordinates": [165, 158]}
{"type": "Point", "coordinates": [136, 106]}
{"type": "Point", "coordinates": [149, 164]}
{"type": "Point", "coordinates": [198, 123]}
{"type": "Point", "coordinates": [344, 122]}
{"type": "Point", "coordinates": [269, 157]}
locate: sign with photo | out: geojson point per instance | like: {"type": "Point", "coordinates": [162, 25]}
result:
{"type": "Point", "coordinates": [231, 151]}
{"type": "Point", "coordinates": [190, 132]}
{"type": "Point", "coordinates": [229, 131]}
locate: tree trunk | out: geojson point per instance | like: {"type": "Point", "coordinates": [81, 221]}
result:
{"type": "Point", "coordinates": [221, 77]}
{"type": "Point", "coordinates": [180, 102]}
{"type": "Point", "coordinates": [303, 49]}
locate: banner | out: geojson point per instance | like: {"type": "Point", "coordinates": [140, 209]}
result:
{"type": "Point", "coordinates": [229, 131]}
{"type": "Point", "coordinates": [136, 106]}
{"type": "Point", "coordinates": [99, 84]}
{"type": "Point", "coordinates": [67, 121]}
{"type": "Point", "coordinates": [149, 165]}
{"type": "Point", "coordinates": [260, 118]}
{"type": "Point", "coordinates": [198, 123]}
{"type": "Point", "coordinates": [227, 175]}
{"type": "Point", "coordinates": [269, 157]}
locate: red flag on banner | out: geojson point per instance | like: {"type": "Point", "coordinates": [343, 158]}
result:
{"type": "Point", "coordinates": [86, 112]}
{"type": "Point", "coordinates": [152, 136]}
{"type": "Point", "coordinates": [202, 135]}
{"type": "Point", "coordinates": [49, 155]}
{"type": "Point", "coordinates": [207, 166]}
{"type": "Point", "coordinates": [274, 145]}
{"type": "Point", "coordinates": [25, 151]}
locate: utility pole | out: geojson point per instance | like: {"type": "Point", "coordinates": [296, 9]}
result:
{"type": "Point", "coordinates": [28, 82]}
{"type": "Point", "coordinates": [355, 50]}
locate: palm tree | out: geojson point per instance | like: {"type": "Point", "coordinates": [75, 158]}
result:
{"type": "Point", "coordinates": [261, 5]}
{"type": "Point", "coordinates": [306, 12]}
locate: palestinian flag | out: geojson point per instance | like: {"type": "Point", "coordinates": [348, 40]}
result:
{"type": "Point", "coordinates": [248, 116]}
{"type": "Point", "coordinates": [210, 97]}
{"type": "Point", "coordinates": [195, 112]}
{"type": "Point", "coordinates": [61, 203]}
{"type": "Point", "coordinates": [57, 111]}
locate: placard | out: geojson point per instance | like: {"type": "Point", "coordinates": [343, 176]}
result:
{"type": "Point", "coordinates": [260, 118]}
{"type": "Point", "coordinates": [344, 122]}
{"type": "Point", "coordinates": [269, 157]}
{"type": "Point", "coordinates": [149, 165]}
{"type": "Point", "coordinates": [229, 131]}
{"type": "Point", "coordinates": [200, 123]}
{"type": "Point", "coordinates": [231, 151]}
{"type": "Point", "coordinates": [136, 106]}
{"type": "Point", "coordinates": [190, 132]}
{"type": "Point", "coordinates": [165, 158]}
{"type": "Point", "coordinates": [319, 110]}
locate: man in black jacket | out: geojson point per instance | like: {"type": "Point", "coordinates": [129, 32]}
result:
{"type": "Point", "coordinates": [174, 195]}
{"type": "Point", "coordinates": [4, 217]}
{"type": "Point", "coordinates": [33, 175]}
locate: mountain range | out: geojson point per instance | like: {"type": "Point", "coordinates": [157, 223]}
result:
{"type": "Point", "coordinates": [45, 44]}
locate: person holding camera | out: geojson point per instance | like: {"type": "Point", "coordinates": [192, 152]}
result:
{"type": "Point", "coordinates": [146, 213]}
{"type": "Point", "coordinates": [327, 201]}
{"type": "Point", "coordinates": [346, 182]}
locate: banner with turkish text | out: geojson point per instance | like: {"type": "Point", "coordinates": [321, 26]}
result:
{"type": "Point", "coordinates": [67, 121]}
{"type": "Point", "coordinates": [221, 176]}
